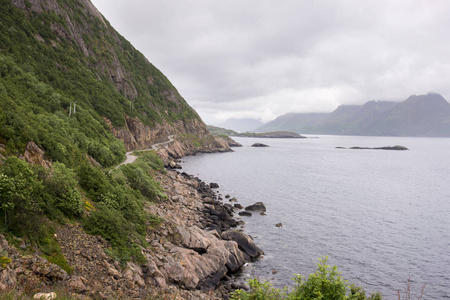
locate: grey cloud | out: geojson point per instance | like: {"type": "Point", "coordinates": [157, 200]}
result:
{"type": "Point", "coordinates": [263, 58]}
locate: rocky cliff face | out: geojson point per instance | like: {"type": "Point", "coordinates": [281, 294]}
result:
{"type": "Point", "coordinates": [191, 136]}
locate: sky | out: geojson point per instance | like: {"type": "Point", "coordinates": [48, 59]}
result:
{"type": "Point", "coordinates": [261, 59]}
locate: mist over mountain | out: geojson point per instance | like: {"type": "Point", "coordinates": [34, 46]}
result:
{"type": "Point", "coordinates": [241, 125]}
{"type": "Point", "coordinates": [422, 115]}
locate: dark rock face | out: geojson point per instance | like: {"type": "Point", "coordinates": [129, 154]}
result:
{"type": "Point", "coordinates": [258, 206]}
{"type": "Point", "coordinates": [259, 145]}
{"type": "Point", "coordinates": [244, 242]}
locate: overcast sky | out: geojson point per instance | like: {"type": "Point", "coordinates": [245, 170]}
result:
{"type": "Point", "coordinates": [261, 59]}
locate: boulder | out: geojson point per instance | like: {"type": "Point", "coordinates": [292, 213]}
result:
{"type": "Point", "coordinates": [46, 296]}
{"type": "Point", "coordinates": [245, 243]}
{"type": "Point", "coordinates": [245, 213]}
{"type": "Point", "coordinates": [213, 185]}
{"type": "Point", "coordinates": [35, 155]}
{"type": "Point", "coordinates": [236, 259]}
{"type": "Point", "coordinates": [258, 206]}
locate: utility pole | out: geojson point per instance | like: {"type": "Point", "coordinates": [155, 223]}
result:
{"type": "Point", "coordinates": [70, 110]}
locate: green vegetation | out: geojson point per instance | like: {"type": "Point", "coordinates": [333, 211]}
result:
{"type": "Point", "coordinates": [60, 83]}
{"type": "Point", "coordinates": [32, 198]}
{"type": "Point", "coordinates": [326, 283]}
{"type": "Point", "coordinates": [220, 131]}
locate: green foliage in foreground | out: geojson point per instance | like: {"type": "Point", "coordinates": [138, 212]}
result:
{"type": "Point", "coordinates": [33, 198]}
{"type": "Point", "coordinates": [326, 283]}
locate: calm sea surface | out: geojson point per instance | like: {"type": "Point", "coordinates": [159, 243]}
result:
{"type": "Point", "coordinates": [380, 216]}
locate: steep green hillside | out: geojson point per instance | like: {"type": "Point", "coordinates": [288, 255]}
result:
{"type": "Point", "coordinates": [68, 83]}
{"type": "Point", "coordinates": [53, 57]}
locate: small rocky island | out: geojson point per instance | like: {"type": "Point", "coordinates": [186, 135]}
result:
{"type": "Point", "coordinates": [259, 145]}
{"type": "Point", "coordinates": [397, 147]}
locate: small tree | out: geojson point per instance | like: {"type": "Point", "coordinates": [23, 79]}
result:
{"type": "Point", "coordinates": [325, 283]}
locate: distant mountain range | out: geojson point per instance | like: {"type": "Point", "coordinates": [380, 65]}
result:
{"type": "Point", "coordinates": [422, 115]}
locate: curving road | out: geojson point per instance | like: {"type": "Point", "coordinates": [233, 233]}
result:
{"type": "Point", "coordinates": [130, 158]}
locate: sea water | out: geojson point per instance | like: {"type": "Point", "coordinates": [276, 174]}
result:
{"type": "Point", "coordinates": [381, 216]}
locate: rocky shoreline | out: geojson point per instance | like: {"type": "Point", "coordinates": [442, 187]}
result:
{"type": "Point", "coordinates": [206, 234]}
{"type": "Point", "coordinates": [190, 255]}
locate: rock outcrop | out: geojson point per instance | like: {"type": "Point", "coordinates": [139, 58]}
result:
{"type": "Point", "coordinates": [35, 155]}
{"type": "Point", "coordinates": [190, 137]}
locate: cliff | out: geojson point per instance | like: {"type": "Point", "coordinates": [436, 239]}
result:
{"type": "Point", "coordinates": [74, 97]}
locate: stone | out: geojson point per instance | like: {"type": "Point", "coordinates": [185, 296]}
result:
{"type": "Point", "coordinates": [45, 296]}
{"type": "Point", "coordinates": [245, 243]}
{"type": "Point", "coordinates": [258, 206]}
{"type": "Point", "coordinates": [245, 213]}
{"type": "Point", "coordinates": [236, 259]}
{"type": "Point", "coordinates": [238, 206]}
{"type": "Point", "coordinates": [213, 185]}
{"type": "Point", "coordinates": [35, 155]}
{"type": "Point", "coordinates": [279, 225]}
{"type": "Point", "coordinates": [77, 284]}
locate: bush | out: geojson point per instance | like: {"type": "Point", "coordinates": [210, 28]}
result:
{"type": "Point", "coordinates": [139, 179]}
{"type": "Point", "coordinates": [325, 284]}
{"type": "Point", "coordinates": [62, 186]}
{"type": "Point", "coordinates": [111, 225]}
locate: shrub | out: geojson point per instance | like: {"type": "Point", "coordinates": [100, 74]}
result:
{"type": "Point", "coordinates": [61, 184]}
{"type": "Point", "coordinates": [139, 179]}
{"type": "Point", "coordinates": [325, 284]}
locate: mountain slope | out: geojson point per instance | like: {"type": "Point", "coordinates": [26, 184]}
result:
{"type": "Point", "coordinates": [74, 97]}
{"type": "Point", "coordinates": [69, 80]}
{"type": "Point", "coordinates": [423, 115]}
